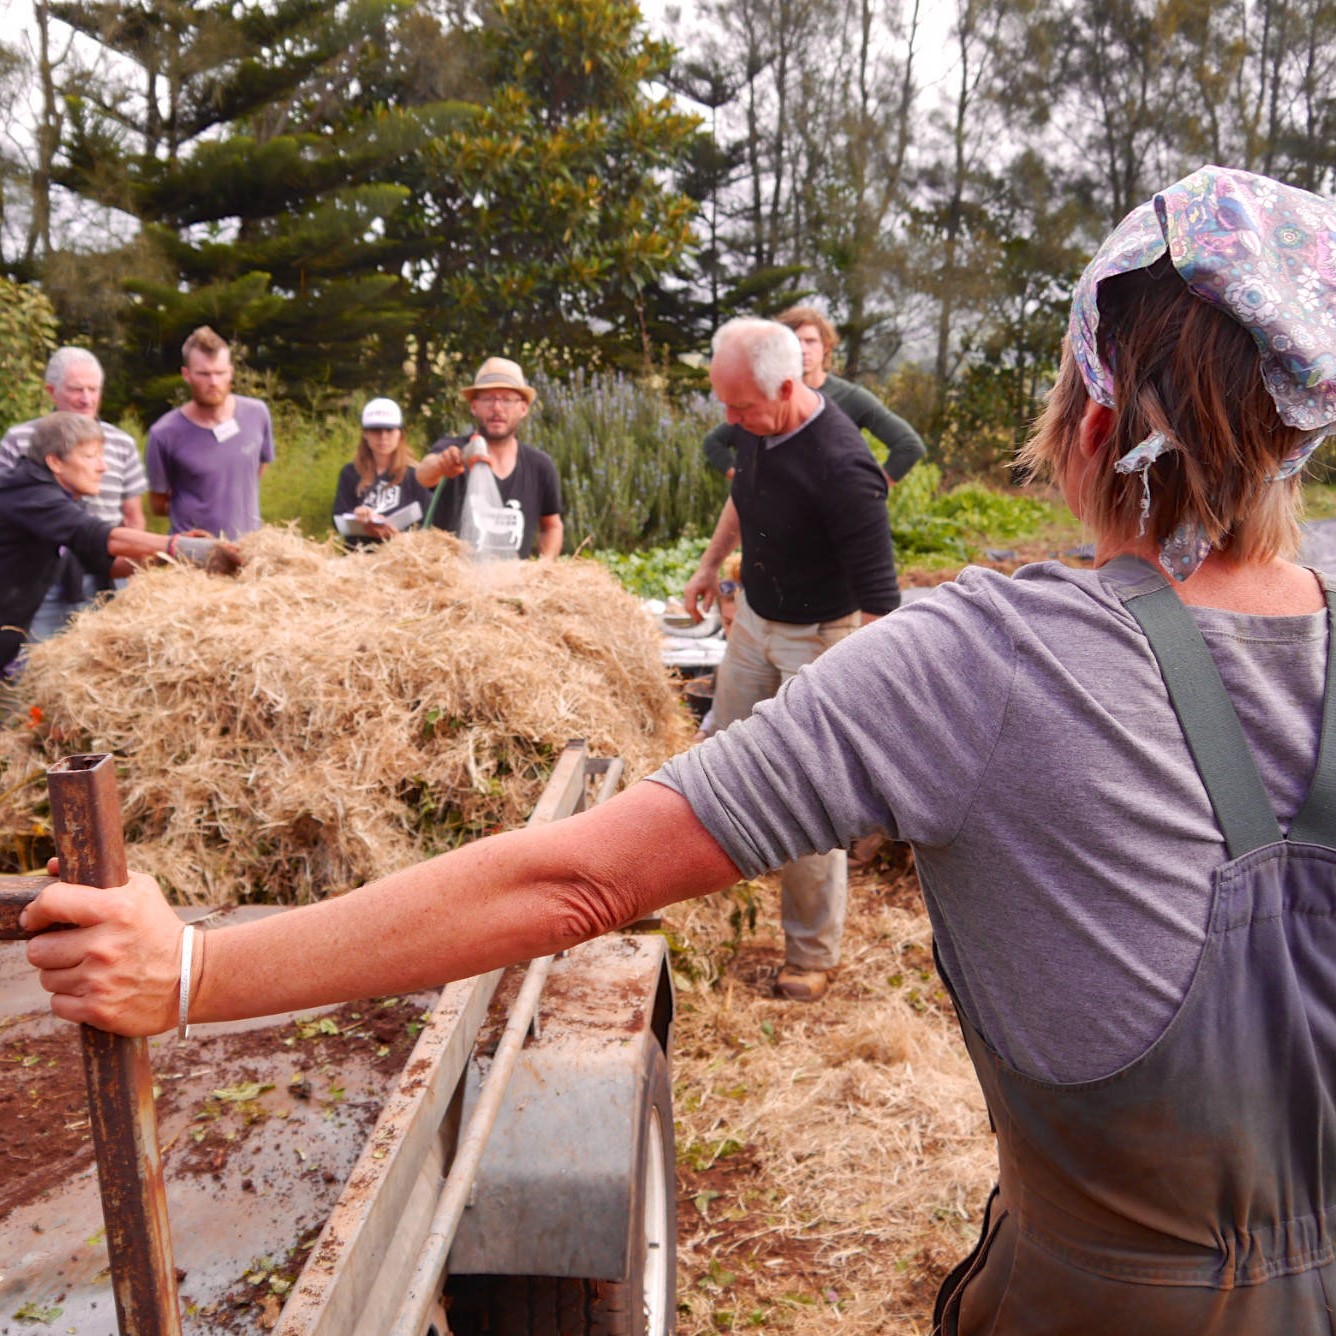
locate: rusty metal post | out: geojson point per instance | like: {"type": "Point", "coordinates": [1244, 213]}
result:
{"type": "Point", "coordinates": [86, 821]}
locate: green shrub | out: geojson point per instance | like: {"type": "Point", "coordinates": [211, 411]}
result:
{"type": "Point", "coordinates": [936, 528]}
{"type": "Point", "coordinates": [27, 340]}
{"type": "Point", "coordinates": [631, 466]}
{"type": "Point", "coordinates": [654, 572]}
{"type": "Point", "coordinates": [633, 474]}
{"type": "Point", "coordinates": [309, 451]}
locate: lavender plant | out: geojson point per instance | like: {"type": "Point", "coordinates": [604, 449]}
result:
{"type": "Point", "coordinates": [632, 471]}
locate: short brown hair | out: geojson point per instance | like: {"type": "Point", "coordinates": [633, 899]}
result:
{"type": "Point", "coordinates": [59, 433]}
{"type": "Point", "coordinates": [796, 316]}
{"type": "Point", "coordinates": [1189, 370]}
{"type": "Point", "coordinates": [203, 340]}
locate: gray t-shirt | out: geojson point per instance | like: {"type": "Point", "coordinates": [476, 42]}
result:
{"type": "Point", "coordinates": [1017, 732]}
{"type": "Point", "coordinates": [212, 473]}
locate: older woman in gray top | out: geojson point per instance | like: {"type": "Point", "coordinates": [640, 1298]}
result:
{"type": "Point", "coordinates": [1120, 786]}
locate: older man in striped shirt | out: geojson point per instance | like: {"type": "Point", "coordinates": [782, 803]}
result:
{"type": "Point", "coordinates": [74, 385]}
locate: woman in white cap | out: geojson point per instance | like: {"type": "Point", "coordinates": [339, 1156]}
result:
{"type": "Point", "coordinates": [380, 480]}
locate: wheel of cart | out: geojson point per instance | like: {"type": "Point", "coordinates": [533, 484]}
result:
{"type": "Point", "coordinates": [642, 1302]}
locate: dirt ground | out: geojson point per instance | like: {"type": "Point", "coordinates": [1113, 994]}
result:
{"type": "Point", "coordinates": [833, 1158]}
{"type": "Point", "coordinates": [226, 1140]}
{"type": "Point", "coordinates": [44, 1131]}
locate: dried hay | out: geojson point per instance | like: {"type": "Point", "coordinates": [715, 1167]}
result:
{"type": "Point", "coordinates": [834, 1158]}
{"type": "Point", "coordinates": [323, 719]}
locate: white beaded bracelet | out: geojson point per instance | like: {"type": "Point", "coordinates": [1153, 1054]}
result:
{"type": "Point", "coordinates": [187, 950]}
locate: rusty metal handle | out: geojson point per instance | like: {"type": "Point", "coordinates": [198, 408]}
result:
{"type": "Point", "coordinates": [86, 820]}
{"type": "Point", "coordinates": [16, 894]}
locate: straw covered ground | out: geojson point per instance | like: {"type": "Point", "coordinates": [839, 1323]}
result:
{"type": "Point", "coordinates": [833, 1159]}
{"type": "Point", "coordinates": [322, 719]}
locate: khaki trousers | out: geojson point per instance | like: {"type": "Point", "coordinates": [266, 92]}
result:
{"type": "Point", "coordinates": [761, 656]}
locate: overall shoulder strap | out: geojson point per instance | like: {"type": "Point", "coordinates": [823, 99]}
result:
{"type": "Point", "coordinates": [1316, 819]}
{"type": "Point", "coordinates": [1210, 725]}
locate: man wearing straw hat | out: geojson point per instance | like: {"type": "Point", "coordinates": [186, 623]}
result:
{"type": "Point", "coordinates": [526, 478]}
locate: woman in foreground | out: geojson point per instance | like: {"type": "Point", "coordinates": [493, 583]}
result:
{"type": "Point", "coordinates": [1144, 966]}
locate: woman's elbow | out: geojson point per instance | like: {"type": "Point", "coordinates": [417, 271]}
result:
{"type": "Point", "coordinates": [584, 909]}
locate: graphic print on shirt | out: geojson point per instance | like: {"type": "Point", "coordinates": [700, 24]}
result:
{"type": "Point", "coordinates": [501, 527]}
{"type": "Point", "coordinates": [384, 496]}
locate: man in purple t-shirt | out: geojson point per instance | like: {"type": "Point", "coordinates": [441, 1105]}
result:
{"type": "Point", "coordinates": [205, 458]}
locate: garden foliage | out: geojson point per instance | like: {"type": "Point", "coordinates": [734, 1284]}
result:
{"type": "Point", "coordinates": [27, 339]}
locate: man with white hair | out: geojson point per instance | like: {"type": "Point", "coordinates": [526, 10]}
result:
{"type": "Point", "coordinates": [73, 383]}
{"type": "Point", "coordinates": [808, 505]}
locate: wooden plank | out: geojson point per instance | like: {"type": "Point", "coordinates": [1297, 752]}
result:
{"type": "Point", "coordinates": [354, 1279]}
{"type": "Point", "coordinates": [564, 792]}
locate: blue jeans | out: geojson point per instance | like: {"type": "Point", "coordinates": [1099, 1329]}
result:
{"type": "Point", "coordinates": [54, 614]}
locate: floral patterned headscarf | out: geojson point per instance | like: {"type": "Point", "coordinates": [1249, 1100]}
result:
{"type": "Point", "coordinates": [1265, 253]}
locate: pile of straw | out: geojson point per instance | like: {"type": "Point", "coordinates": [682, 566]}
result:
{"type": "Point", "coordinates": [322, 719]}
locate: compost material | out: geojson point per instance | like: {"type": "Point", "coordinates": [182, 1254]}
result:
{"type": "Point", "coordinates": [833, 1160]}
{"type": "Point", "coordinates": [324, 718]}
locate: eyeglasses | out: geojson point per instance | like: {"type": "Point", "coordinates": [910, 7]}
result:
{"type": "Point", "coordinates": [728, 587]}
{"type": "Point", "coordinates": [505, 400]}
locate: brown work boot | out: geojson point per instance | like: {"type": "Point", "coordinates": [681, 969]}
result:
{"type": "Point", "coordinates": [800, 985]}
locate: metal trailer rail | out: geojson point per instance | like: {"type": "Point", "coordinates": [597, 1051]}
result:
{"type": "Point", "coordinates": [380, 1264]}
{"type": "Point", "coordinates": [600, 1212]}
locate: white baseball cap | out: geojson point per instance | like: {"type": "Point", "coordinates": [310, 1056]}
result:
{"type": "Point", "coordinates": [382, 413]}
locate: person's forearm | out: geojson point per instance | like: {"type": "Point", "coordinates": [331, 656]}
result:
{"type": "Point", "coordinates": [136, 544]}
{"type": "Point", "coordinates": [160, 502]}
{"type": "Point", "coordinates": [551, 535]}
{"type": "Point", "coordinates": [132, 512]}
{"type": "Point", "coordinates": [904, 446]}
{"type": "Point", "coordinates": [495, 902]}
{"type": "Point", "coordinates": [430, 470]}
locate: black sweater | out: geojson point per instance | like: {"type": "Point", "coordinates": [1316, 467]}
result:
{"type": "Point", "coordinates": [816, 539]}
{"type": "Point", "coordinates": [37, 517]}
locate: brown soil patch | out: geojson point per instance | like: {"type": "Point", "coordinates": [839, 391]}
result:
{"type": "Point", "coordinates": [44, 1130]}
{"type": "Point", "coordinates": [45, 1135]}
